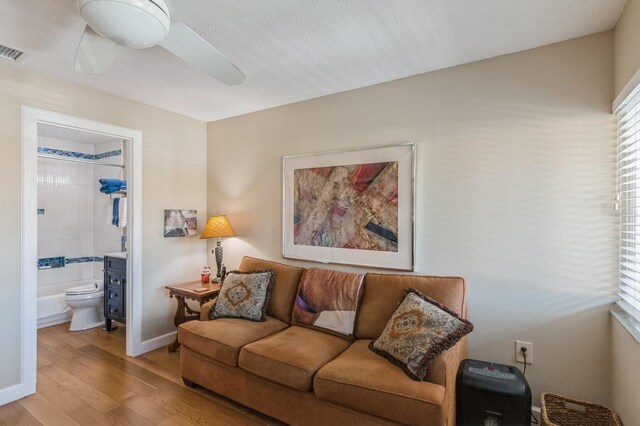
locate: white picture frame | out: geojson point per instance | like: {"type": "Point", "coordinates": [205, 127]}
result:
{"type": "Point", "coordinates": [316, 186]}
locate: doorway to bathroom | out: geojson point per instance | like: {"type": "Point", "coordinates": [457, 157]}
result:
{"type": "Point", "coordinates": [81, 220]}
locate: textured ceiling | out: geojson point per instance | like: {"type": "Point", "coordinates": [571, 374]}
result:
{"type": "Point", "coordinates": [322, 47]}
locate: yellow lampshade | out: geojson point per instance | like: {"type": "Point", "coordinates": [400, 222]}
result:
{"type": "Point", "coordinates": [218, 227]}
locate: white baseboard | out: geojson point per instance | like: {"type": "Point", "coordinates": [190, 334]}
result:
{"type": "Point", "coordinates": [15, 392]}
{"type": "Point", "coordinates": [157, 342]}
{"type": "Point", "coordinates": [54, 320]}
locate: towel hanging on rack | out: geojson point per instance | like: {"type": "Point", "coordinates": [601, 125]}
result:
{"type": "Point", "coordinates": [115, 219]}
{"type": "Point", "coordinates": [122, 212]}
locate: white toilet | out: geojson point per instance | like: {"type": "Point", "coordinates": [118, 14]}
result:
{"type": "Point", "coordinates": [84, 301]}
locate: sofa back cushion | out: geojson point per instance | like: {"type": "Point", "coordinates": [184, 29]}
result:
{"type": "Point", "coordinates": [284, 290]}
{"type": "Point", "coordinates": [384, 292]}
{"type": "Point", "coordinates": [327, 300]}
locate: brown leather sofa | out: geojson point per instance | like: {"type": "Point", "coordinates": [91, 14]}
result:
{"type": "Point", "coordinates": [307, 377]}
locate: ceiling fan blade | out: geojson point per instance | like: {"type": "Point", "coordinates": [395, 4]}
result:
{"type": "Point", "coordinates": [183, 42]}
{"type": "Point", "coordinates": [95, 53]}
{"type": "Point", "coordinates": [182, 10]}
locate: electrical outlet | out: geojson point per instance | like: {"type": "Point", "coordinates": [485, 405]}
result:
{"type": "Point", "coordinates": [529, 347]}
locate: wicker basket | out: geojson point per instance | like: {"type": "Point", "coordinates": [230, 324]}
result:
{"type": "Point", "coordinates": [558, 410]}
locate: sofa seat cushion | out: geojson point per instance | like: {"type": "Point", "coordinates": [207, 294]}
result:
{"type": "Point", "coordinates": [364, 381]}
{"type": "Point", "coordinates": [292, 356]}
{"type": "Point", "coordinates": [222, 339]}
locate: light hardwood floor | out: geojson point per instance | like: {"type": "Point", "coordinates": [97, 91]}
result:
{"type": "Point", "coordinates": [85, 378]}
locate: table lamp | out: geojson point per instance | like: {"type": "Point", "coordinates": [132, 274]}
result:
{"type": "Point", "coordinates": [218, 227]}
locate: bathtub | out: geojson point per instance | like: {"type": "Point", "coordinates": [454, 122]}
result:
{"type": "Point", "coordinates": [52, 308]}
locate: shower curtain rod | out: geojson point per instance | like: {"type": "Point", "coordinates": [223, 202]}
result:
{"type": "Point", "coordinates": [78, 160]}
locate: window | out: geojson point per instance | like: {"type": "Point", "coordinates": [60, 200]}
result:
{"type": "Point", "coordinates": [629, 203]}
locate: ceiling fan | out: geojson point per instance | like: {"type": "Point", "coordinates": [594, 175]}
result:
{"type": "Point", "coordinates": [139, 24]}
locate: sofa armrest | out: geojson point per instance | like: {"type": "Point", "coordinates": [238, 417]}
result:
{"type": "Point", "coordinates": [204, 310]}
{"type": "Point", "coordinates": [444, 368]}
{"type": "Point", "coordinates": [443, 371]}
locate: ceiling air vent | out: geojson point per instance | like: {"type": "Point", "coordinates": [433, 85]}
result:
{"type": "Point", "coordinates": [9, 53]}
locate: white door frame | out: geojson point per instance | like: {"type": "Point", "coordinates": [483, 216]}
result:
{"type": "Point", "coordinates": [31, 117]}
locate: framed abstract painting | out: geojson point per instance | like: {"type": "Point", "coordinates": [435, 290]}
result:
{"type": "Point", "coordinates": [352, 207]}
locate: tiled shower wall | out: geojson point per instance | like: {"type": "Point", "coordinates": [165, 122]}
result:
{"type": "Point", "coordinates": [73, 232]}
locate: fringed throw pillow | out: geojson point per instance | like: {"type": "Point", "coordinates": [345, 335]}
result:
{"type": "Point", "coordinates": [244, 295]}
{"type": "Point", "coordinates": [418, 331]}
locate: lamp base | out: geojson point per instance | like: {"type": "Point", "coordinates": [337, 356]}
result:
{"type": "Point", "coordinates": [218, 252]}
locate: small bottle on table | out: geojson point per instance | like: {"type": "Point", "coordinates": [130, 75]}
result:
{"type": "Point", "coordinates": [206, 275]}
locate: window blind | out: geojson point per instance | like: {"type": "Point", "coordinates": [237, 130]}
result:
{"type": "Point", "coordinates": [629, 203]}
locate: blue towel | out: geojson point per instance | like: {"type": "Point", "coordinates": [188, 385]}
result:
{"type": "Point", "coordinates": [112, 182]}
{"type": "Point", "coordinates": [116, 212]}
{"type": "Point", "coordinates": [110, 186]}
{"type": "Point", "coordinates": [111, 189]}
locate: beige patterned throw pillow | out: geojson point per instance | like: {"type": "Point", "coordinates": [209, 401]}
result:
{"type": "Point", "coordinates": [418, 331]}
{"type": "Point", "coordinates": [244, 295]}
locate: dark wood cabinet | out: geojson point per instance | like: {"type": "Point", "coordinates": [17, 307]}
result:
{"type": "Point", "coordinates": [115, 290]}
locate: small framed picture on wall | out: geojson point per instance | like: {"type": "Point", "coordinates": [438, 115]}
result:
{"type": "Point", "coordinates": [180, 223]}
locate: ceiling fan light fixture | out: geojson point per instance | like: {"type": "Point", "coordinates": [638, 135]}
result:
{"type": "Point", "coordinates": [114, 24]}
{"type": "Point", "coordinates": [132, 23]}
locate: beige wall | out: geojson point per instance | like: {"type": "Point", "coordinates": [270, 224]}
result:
{"type": "Point", "coordinates": [626, 37]}
{"type": "Point", "coordinates": [625, 375]}
{"type": "Point", "coordinates": [174, 176]}
{"type": "Point", "coordinates": [515, 178]}
{"type": "Point", "coordinates": [625, 391]}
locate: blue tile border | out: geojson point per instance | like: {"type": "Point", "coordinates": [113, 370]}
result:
{"type": "Point", "coordinates": [62, 153]}
{"type": "Point", "coordinates": [51, 262]}
{"type": "Point", "coordinates": [108, 154]}
{"type": "Point", "coordinates": [74, 154]}
{"type": "Point", "coordinates": [61, 261]}
{"type": "Point", "coordinates": [85, 259]}
{"type": "Point", "coordinates": [72, 260]}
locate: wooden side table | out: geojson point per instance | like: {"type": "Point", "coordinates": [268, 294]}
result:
{"type": "Point", "coordinates": [201, 293]}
